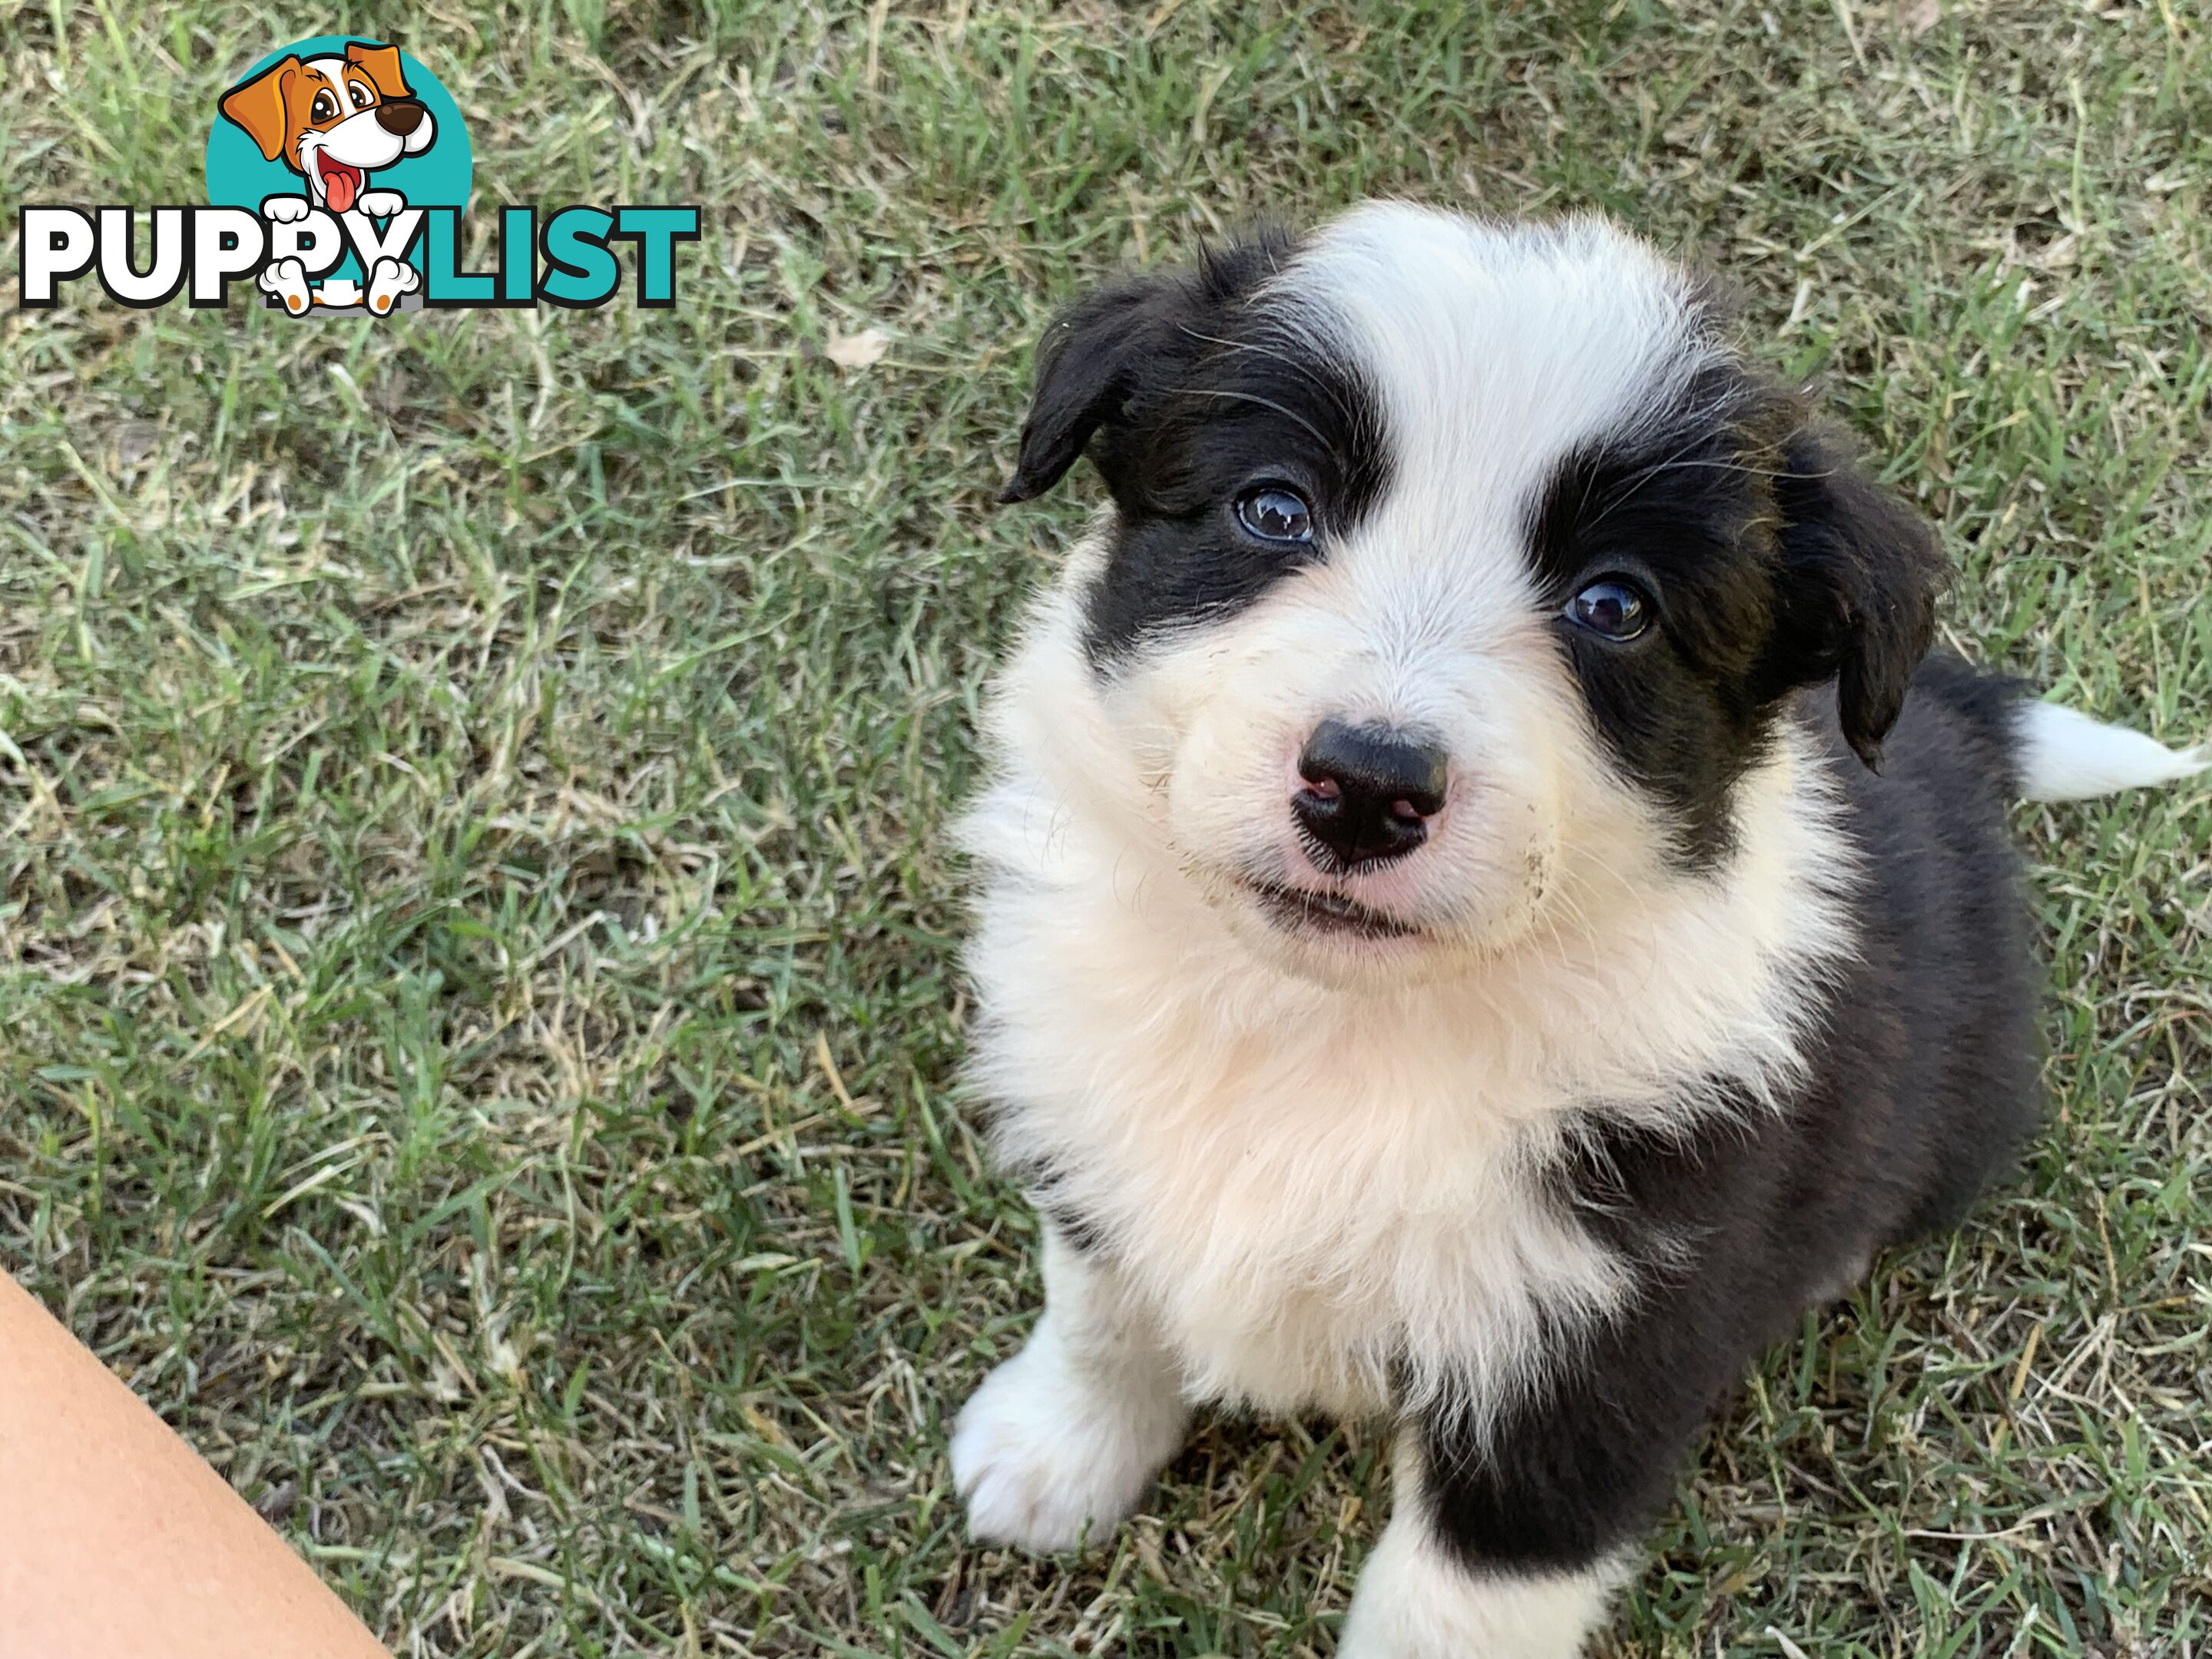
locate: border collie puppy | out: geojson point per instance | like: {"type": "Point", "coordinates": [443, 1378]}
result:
{"type": "Point", "coordinates": [1489, 908]}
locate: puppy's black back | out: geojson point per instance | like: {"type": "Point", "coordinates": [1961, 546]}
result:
{"type": "Point", "coordinates": [1920, 1086]}
{"type": "Point", "coordinates": [1946, 992]}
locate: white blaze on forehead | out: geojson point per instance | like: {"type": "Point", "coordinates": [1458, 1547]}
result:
{"type": "Point", "coordinates": [1495, 348]}
{"type": "Point", "coordinates": [333, 70]}
{"type": "Point", "coordinates": [1493, 352]}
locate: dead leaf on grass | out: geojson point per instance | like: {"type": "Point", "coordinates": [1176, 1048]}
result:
{"type": "Point", "coordinates": [859, 351]}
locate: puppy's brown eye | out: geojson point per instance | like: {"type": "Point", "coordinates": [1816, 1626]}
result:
{"type": "Point", "coordinates": [323, 108]}
{"type": "Point", "coordinates": [360, 100]}
{"type": "Point", "coordinates": [1276, 514]}
{"type": "Point", "coordinates": [1615, 609]}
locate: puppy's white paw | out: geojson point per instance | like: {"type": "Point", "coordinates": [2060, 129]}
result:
{"type": "Point", "coordinates": [379, 203]}
{"type": "Point", "coordinates": [1418, 1599]}
{"type": "Point", "coordinates": [284, 210]}
{"type": "Point", "coordinates": [1046, 1458]}
{"type": "Point", "coordinates": [287, 280]}
{"type": "Point", "coordinates": [390, 279]}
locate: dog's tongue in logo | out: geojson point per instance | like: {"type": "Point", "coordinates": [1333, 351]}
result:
{"type": "Point", "coordinates": [341, 183]}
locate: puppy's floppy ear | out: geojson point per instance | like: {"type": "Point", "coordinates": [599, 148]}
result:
{"type": "Point", "coordinates": [1117, 356]}
{"type": "Point", "coordinates": [381, 64]}
{"type": "Point", "coordinates": [257, 106]}
{"type": "Point", "coordinates": [1861, 571]}
{"type": "Point", "coordinates": [1092, 362]}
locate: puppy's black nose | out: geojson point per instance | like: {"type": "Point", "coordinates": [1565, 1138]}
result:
{"type": "Point", "coordinates": [1370, 792]}
{"type": "Point", "coordinates": [401, 116]}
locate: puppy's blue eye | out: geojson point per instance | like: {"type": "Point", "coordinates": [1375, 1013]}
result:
{"type": "Point", "coordinates": [1276, 514]}
{"type": "Point", "coordinates": [1617, 609]}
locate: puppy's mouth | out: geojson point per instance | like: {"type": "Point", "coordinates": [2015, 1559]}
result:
{"type": "Point", "coordinates": [341, 183]}
{"type": "Point", "coordinates": [1296, 910]}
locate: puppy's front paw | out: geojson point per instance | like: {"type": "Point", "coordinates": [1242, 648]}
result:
{"type": "Point", "coordinates": [1045, 1456]}
{"type": "Point", "coordinates": [379, 203]}
{"type": "Point", "coordinates": [284, 210]}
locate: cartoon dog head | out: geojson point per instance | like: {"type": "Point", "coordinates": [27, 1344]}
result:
{"type": "Point", "coordinates": [332, 120]}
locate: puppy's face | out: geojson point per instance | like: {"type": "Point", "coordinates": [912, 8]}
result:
{"type": "Point", "coordinates": [333, 120]}
{"type": "Point", "coordinates": [1457, 575]}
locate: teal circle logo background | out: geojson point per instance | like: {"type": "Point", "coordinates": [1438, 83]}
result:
{"type": "Point", "coordinates": [441, 176]}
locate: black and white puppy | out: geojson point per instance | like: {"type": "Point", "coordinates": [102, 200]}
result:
{"type": "Point", "coordinates": [1489, 909]}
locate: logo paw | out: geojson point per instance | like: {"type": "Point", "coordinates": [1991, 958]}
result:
{"type": "Point", "coordinates": [287, 279]}
{"type": "Point", "coordinates": [390, 279]}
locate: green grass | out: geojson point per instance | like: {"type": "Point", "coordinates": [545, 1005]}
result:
{"type": "Point", "coordinates": [477, 941]}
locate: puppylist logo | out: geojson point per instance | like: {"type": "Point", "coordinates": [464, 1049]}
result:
{"type": "Point", "coordinates": [337, 171]}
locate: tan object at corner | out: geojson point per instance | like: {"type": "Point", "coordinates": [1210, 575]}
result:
{"type": "Point", "coordinates": [118, 1542]}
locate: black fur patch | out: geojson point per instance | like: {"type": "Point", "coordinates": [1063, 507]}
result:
{"type": "Point", "coordinates": [1773, 563]}
{"type": "Point", "coordinates": [1189, 393]}
{"type": "Point", "coordinates": [1922, 1086]}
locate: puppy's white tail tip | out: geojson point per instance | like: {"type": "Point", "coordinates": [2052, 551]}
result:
{"type": "Point", "coordinates": [2066, 756]}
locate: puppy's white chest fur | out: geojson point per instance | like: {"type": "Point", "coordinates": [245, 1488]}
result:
{"type": "Point", "coordinates": [1323, 1203]}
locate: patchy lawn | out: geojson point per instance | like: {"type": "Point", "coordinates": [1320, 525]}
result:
{"type": "Point", "coordinates": [478, 945]}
